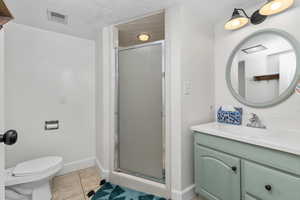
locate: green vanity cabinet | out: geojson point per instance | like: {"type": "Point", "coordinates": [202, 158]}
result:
{"type": "Point", "coordinates": [227, 169]}
{"type": "Point", "coordinates": [217, 174]}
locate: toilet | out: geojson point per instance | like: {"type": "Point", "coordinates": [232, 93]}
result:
{"type": "Point", "coordinates": [30, 180]}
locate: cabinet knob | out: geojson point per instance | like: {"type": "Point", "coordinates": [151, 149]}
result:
{"type": "Point", "coordinates": [268, 187]}
{"type": "Point", "coordinates": [234, 168]}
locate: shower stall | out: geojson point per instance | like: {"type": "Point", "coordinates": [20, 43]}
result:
{"type": "Point", "coordinates": [140, 135]}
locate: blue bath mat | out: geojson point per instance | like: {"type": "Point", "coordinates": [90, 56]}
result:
{"type": "Point", "coordinates": [115, 192]}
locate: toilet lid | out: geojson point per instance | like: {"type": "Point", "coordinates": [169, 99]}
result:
{"type": "Point", "coordinates": [39, 165]}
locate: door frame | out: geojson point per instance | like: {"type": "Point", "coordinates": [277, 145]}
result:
{"type": "Point", "coordinates": [162, 42]}
{"type": "Point", "coordinates": [110, 42]}
{"type": "Point", "coordinates": [117, 100]}
{"type": "Point", "coordinates": [108, 39]}
{"type": "Point", "coordinates": [141, 184]}
{"type": "Point", "coordinates": [2, 113]}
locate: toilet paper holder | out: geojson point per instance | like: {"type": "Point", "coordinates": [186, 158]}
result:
{"type": "Point", "coordinates": [51, 125]}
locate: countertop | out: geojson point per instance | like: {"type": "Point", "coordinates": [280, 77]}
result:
{"type": "Point", "coordinates": [281, 140]}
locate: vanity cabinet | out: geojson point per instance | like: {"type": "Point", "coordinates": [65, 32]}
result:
{"type": "Point", "coordinates": [231, 170]}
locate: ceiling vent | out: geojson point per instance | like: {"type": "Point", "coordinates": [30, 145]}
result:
{"type": "Point", "coordinates": [57, 17]}
{"type": "Point", "coordinates": [254, 49]}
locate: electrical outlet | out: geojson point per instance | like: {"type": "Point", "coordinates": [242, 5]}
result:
{"type": "Point", "coordinates": [187, 87]}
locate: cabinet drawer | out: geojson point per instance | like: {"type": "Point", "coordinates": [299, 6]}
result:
{"type": "Point", "coordinates": [268, 184]}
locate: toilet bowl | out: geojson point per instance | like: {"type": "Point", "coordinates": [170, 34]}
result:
{"type": "Point", "coordinates": [30, 180]}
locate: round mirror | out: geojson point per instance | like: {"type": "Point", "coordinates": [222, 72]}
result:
{"type": "Point", "coordinates": [263, 69]}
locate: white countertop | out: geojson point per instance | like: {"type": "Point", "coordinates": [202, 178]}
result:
{"type": "Point", "coordinates": [282, 140]}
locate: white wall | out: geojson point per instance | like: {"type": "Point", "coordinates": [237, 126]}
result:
{"type": "Point", "coordinates": [287, 68]}
{"type": "Point", "coordinates": [189, 39]}
{"type": "Point", "coordinates": [49, 76]}
{"type": "Point", "coordinates": [275, 117]}
{"type": "Point", "coordinates": [196, 71]}
{"type": "Point", "coordinates": [99, 101]}
{"type": "Point", "coordinates": [255, 65]}
{"type": "Point", "coordinates": [173, 97]}
{"type": "Point", "coordinates": [104, 102]}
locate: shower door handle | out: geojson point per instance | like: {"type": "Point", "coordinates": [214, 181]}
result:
{"type": "Point", "coordinates": [10, 137]}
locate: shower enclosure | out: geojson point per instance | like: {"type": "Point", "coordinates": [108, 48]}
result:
{"type": "Point", "coordinates": [140, 111]}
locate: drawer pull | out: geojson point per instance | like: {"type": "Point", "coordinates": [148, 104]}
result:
{"type": "Point", "coordinates": [234, 168]}
{"type": "Point", "coordinates": [268, 187]}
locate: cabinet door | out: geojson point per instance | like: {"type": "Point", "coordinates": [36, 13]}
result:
{"type": "Point", "coordinates": [217, 175]}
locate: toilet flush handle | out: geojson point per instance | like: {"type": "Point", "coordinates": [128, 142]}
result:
{"type": "Point", "coordinates": [10, 137]}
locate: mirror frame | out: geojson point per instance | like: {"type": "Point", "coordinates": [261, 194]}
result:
{"type": "Point", "coordinates": [288, 92]}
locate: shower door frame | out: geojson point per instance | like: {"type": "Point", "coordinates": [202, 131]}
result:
{"type": "Point", "coordinates": [163, 112]}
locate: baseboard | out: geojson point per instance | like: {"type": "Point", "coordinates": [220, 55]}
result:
{"type": "Point", "coordinates": [104, 172]}
{"type": "Point", "coordinates": [77, 165]}
{"type": "Point", "coordinates": [186, 194]}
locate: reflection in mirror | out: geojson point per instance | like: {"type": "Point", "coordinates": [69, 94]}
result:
{"type": "Point", "coordinates": [263, 68]}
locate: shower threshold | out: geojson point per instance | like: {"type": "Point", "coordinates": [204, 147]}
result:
{"type": "Point", "coordinates": [139, 175]}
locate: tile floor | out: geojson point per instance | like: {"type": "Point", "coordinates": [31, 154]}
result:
{"type": "Point", "coordinates": [75, 185]}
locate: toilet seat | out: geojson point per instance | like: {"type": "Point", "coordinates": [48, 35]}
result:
{"type": "Point", "coordinates": [33, 170]}
{"type": "Point", "coordinates": [36, 166]}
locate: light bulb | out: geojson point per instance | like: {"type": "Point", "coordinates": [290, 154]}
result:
{"type": "Point", "coordinates": [236, 23]}
{"type": "Point", "coordinates": [144, 37]}
{"type": "Point", "coordinates": [275, 6]}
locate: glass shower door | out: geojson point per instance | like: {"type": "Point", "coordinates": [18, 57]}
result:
{"type": "Point", "coordinates": [140, 111]}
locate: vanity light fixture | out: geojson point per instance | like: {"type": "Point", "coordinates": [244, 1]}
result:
{"type": "Point", "coordinates": [144, 37]}
{"type": "Point", "coordinates": [275, 7]}
{"type": "Point", "coordinates": [272, 7]}
{"type": "Point", "coordinates": [237, 20]}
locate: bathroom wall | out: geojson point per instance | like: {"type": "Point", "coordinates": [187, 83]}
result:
{"type": "Point", "coordinates": [286, 73]}
{"type": "Point", "coordinates": [103, 78]}
{"type": "Point", "coordinates": [49, 76]}
{"type": "Point", "coordinates": [189, 39]}
{"type": "Point", "coordinates": [98, 95]}
{"type": "Point", "coordinates": [256, 65]}
{"type": "Point", "coordinates": [277, 117]}
{"type": "Point", "coordinates": [101, 146]}
{"type": "Point", "coordinates": [197, 96]}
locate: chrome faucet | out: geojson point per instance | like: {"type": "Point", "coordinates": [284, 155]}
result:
{"type": "Point", "coordinates": [255, 122]}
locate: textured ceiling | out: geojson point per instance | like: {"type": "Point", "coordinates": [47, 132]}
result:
{"type": "Point", "coordinates": [85, 16]}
